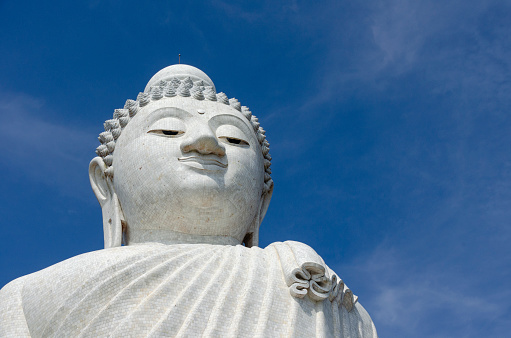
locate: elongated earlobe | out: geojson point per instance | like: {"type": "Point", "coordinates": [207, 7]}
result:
{"type": "Point", "coordinates": [103, 188]}
{"type": "Point", "coordinates": [252, 237]}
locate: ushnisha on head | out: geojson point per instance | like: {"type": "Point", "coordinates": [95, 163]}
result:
{"type": "Point", "coordinates": [182, 164]}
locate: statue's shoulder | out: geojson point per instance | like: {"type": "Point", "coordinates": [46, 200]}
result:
{"type": "Point", "coordinates": [11, 290]}
{"type": "Point", "coordinates": [296, 255]}
{"type": "Point", "coordinates": [22, 299]}
{"type": "Point", "coordinates": [298, 249]}
{"type": "Point", "coordinates": [308, 277]}
{"type": "Point", "coordinates": [12, 318]}
{"type": "Point", "coordinates": [306, 272]}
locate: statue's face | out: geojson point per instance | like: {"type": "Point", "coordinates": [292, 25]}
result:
{"type": "Point", "coordinates": [189, 166]}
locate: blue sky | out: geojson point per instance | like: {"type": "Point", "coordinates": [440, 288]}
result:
{"type": "Point", "coordinates": [389, 124]}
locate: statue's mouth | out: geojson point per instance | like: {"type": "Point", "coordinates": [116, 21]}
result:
{"type": "Point", "coordinates": [201, 162]}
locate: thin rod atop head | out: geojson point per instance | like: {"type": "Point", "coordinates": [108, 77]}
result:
{"type": "Point", "coordinates": [179, 58]}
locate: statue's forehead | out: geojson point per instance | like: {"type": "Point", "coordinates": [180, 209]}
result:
{"type": "Point", "coordinates": [189, 106]}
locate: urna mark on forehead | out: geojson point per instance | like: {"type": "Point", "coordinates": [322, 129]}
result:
{"type": "Point", "coordinates": [177, 81]}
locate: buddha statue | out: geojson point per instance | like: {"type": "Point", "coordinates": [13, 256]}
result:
{"type": "Point", "coordinates": [183, 179]}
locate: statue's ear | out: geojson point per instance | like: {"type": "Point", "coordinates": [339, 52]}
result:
{"type": "Point", "coordinates": [103, 188]}
{"type": "Point", "coordinates": [252, 237]}
{"type": "Point", "coordinates": [266, 198]}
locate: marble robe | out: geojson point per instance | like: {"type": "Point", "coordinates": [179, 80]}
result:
{"type": "Point", "coordinates": [156, 290]}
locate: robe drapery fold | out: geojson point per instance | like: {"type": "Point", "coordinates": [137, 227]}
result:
{"type": "Point", "coordinates": [156, 290]}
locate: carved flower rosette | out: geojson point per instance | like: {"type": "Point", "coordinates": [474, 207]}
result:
{"type": "Point", "coordinates": [310, 279]}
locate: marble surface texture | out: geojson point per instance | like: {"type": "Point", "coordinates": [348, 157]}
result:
{"type": "Point", "coordinates": [184, 181]}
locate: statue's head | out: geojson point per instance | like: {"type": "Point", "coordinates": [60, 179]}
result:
{"type": "Point", "coordinates": [182, 164]}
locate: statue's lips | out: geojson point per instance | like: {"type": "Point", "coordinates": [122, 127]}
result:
{"type": "Point", "coordinates": [202, 161]}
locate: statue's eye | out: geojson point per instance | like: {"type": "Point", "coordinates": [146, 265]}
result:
{"type": "Point", "coordinates": [232, 135]}
{"type": "Point", "coordinates": [166, 132]}
{"type": "Point", "coordinates": [233, 140]}
{"type": "Point", "coordinates": [170, 127]}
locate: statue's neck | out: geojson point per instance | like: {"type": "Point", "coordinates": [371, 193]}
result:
{"type": "Point", "coordinates": [138, 236]}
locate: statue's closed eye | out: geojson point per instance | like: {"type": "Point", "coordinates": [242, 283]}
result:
{"type": "Point", "coordinates": [164, 132]}
{"type": "Point", "coordinates": [170, 132]}
{"type": "Point", "coordinates": [232, 135]}
{"type": "Point", "coordinates": [233, 140]}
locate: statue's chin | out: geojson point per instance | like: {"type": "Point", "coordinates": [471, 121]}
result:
{"type": "Point", "coordinates": [196, 210]}
{"type": "Point", "coordinates": [183, 219]}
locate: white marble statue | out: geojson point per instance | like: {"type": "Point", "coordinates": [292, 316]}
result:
{"type": "Point", "coordinates": [183, 180]}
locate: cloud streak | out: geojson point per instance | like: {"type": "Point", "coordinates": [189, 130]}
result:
{"type": "Point", "coordinates": [43, 151]}
{"type": "Point", "coordinates": [422, 301]}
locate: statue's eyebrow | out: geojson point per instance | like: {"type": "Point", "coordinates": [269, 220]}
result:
{"type": "Point", "coordinates": [234, 120]}
{"type": "Point", "coordinates": [167, 112]}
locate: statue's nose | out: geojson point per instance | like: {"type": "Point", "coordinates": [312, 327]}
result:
{"type": "Point", "coordinates": [202, 140]}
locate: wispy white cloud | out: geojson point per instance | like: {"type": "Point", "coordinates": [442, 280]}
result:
{"type": "Point", "coordinates": [457, 46]}
{"type": "Point", "coordinates": [53, 153]}
{"type": "Point", "coordinates": [237, 11]}
{"type": "Point", "coordinates": [264, 10]}
{"type": "Point", "coordinates": [412, 300]}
